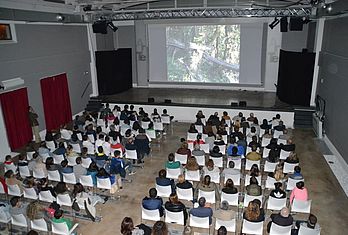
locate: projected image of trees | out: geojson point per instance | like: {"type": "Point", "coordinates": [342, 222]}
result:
{"type": "Point", "coordinates": [206, 53]}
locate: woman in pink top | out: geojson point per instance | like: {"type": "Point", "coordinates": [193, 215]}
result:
{"type": "Point", "coordinates": [299, 192]}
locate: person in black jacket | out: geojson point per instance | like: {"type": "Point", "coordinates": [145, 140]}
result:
{"type": "Point", "coordinates": [174, 205]}
{"type": "Point", "coordinates": [282, 219]}
{"type": "Point", "coordinates": [142, 144]}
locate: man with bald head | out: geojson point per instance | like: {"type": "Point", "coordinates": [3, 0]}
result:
{"type": "Point", "coordinates": [282, 219]}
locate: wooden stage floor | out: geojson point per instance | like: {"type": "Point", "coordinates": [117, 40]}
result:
{"type": "Point", "coordinates": [200, 98]}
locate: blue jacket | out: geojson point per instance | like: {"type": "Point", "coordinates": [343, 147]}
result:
{"type": "Point", "coordinates": [152, 203]}
{"type": "Point", "coordinates": [202, 212]}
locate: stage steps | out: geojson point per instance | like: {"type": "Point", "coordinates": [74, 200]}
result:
{"type": "Point", "coordinates": [303, 117]}
{"type": "Point", "coordinates": [94, 105]}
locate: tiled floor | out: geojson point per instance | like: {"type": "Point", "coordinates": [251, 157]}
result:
{"type": "Point", "coordinates": [330, 203]}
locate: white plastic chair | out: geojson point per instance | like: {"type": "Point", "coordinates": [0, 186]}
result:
{"type": "Point", "coordinates": [270, 183]}
{"type": "Point", "coordinates": [249, 163]}
{"type": "Point", "coordinates": [4, 219]}
{"type": "Point", "coordinates": [153, 215]}
{"type": "Point", "coordinates": [86, 180]}
{"type": "Point", "coordinates": [24, 171]}
{"type": "Point", "coordinates": [284, 154]}
{"type": "Point", "coordinates": [292, 183]}
{"type": "Point", "coordinates": [39, 174]}
{"type": "Point", "coordinates": [173, 173]}
{"type": "Point", "coordinates": [224, 138]}
{"type": "Point", "coordinates": [252, 227]}
{"type": "Point", "coordinates": [165, 119]}
{"type": "Point", "coordinates": [91, 138]}
{"type": "Point", "coordinates": [62, 228]}
{"type": "Point", "coordinates": [249, 198]}
{"type": "Point", "coordinates": [158, 126]}
{"type": "Point", "coordinates": [30, 155]}
{"type": "Point", "coordinates": [46, 196]}
{"type": "Point", "coordinates": [131, 154]}
{"type": "Point", "coordinates": [57, 159]}
{"type": "Point", "coordinates": [191, 136]}
{"type": "Point", "coordinates": [103, 183]}
{"type": "Point", "coordinates": [69, 178]}
{"type": "Point", "coordinates": [247, 180]}
{"type": "Point", "coordinates": [218, 161]}
{"type": "Point", "coordinates": [76, 148]}
{"type": "Point", "coordinates": [19, 220]}
{"type": "Point", "coordinates": [193, 175]}
{"type": "Point", "coordinates": [2, 190]}
{"type": "Point", "coordinates": [151, 133]}
{"type": "Point", "coordinates": [199, 222]}
{"type": "Point", "coordinates": [308, 231]}
{"type": "Point", "coordinates": [232, 199]}
{"type": "Point", "coordinates": [237, 163]}
{"type": "Point", "coordinates": [214, 177]}
{"type": "Point", "coordinates": [200, 160]}
{"type": "Point", "coordinates": [301, 206]}
{"type": "Point", "coordinates": [265, 152]}
{"type": "Point", "coordinates": [174, 217]}
{"type": "Point", "coordinates": [204, 147]}
{"type": "Point", "coordinates": [265, 141]}
{"type": "Point", "coordinates": [64, 200]}
{"type": "Point", "coordinates": [44, 156]}
{"type": "Point", "coordinates": [85, 162]}
{"type": "Point", "coordinates": [163, 191]}
{"type": "Point", "coordinates": [39, 225]}
{"type": "Point", "coordinates": [229, 225]}
{"type": "Point", "coordinates": [275, 204]}
{"type": "Point", "coordinates": [11, 167]}
{"type": "Point", "coordinates": [222, 148]}
{"type": "Point", "coordinates": [235, 178]}
{"type": "Point", "coordinates": [270, 166]}
{"type": "Point", "coordinates": [281, 141]}
{"type": "Point", "coordinates": [199, 128]}
{"type": "Point", "coordinates": [280, 230]}
{"type": "Point", "coordinates": [14, 190]}
{"type": "Point", "coordinates": [71, 161]}
{"type": "Point", "coordinates": [50, 145]}
{"type": "Point", "coordinates": [182, 158]}
{"type": "Point", "coordinates": [54, 176]}
{"type": "Point", "coordinates": [30, 193]}
{"type": "Point", "coordinates": [289, 167]}
{"type": "Point", "coordinates": [185, 194]}
{"type": "Point", "coordinates": [209, 196]}
{"type": "Point", "coordinates": [276, 134]}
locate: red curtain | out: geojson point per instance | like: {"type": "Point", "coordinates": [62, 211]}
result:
{"type": "Point", "coordinates": [14, 106]}
{"type": "Point", "coordinates": [56, 101]}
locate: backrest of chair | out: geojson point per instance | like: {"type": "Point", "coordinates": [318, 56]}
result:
{"type": "Point", "coordinates": [232, 199]}
{"type": "Point", "coordinates": [2, 190]}
{"type": "Point", "coordinates": [303, 230]}
{"type": "Point", "coordinates": [214, 177]}
{"type": "Point", "coordinates": [237, 163]}
{"type": "Point", "coordinates": [86, 180]}
{"type": "Point", "coordinates": [163, 191]}
{"type": "Point", "coordinates": [158, 126]}
{"type": "Point", "coordinates": [270, 166]}
{"type": "Point", "coordinates": [19, 220]}
{"type": "Point", "coordinates": [39, 224]}
{"type": "Point", "coordinates": [192, 136]}
{"type": "Point", "coordinates": [193, 175]}
{"type": "Point", "coordinates": [174, 217]}
{"type": "Point", "coordinates": [30, 193]}
{"type": "Point", "coordinates": [39, 174]}
{"type": "Point", "coordinates": [301, 206]}
{"type": "Point", "coordinates": [60, 228]}
{"type": "Point", "coordinates": [235, 178]}
{"type": "Point", "coordinates": [185, 194]}
{"type": "Point", "coordinates": [276, 203]}
{"type": "Point", "coordinates": [252, 227]}
{"type": "Point", "coordinates": [11, 166]}
{"type": "Point", "coordinates": [292, 183]}
{"type": "Point", "coordinates": [131, 154]}
{"type": "Point", "coordinates": [69, 178]}
{"type": "Point", "coordinates": [53, 175]}
{"type": "Point", "coordinates": [199, 222]}
{"type": "Point", "coordinates": [153, 215]}
{"type": "Point", "coordinates": [204, 147]}
{"type": "Point", "coordinates": [24, 171]}
{"type": "Point", "coordinates": [289, 167]}
{"type": "Point", "coordinates": [51, 145]}
{"type": "Point", "coordinates": [85, 162]}
{"type": "Point", "coordinates": [265, 152]}
{"type": "Point", "coordinates": [284, 154]}
{"type": "Point", "coordinates": [218, 161]}
{"type": "Point", "coordinates": [222, 149]}
{"type": "Point", "coordinates": [151, 133]}
{"type": "Point", "coordinates": [57, 159]}
{"type": "Point", "coordinates": [200, 160]}
{"type": "Point", "coordinates": [249, 163]}
{"type": "Point", "coordinates": [165, 119]}
{"type": "Point", "coordinates": [229, 225]}
{"type": "Point", "coordinates": [209, 196]}
{"type": "Point", "coordinates": [103, 183]}
{"type": "Point", "coordinates": [249, 198]}
{"type": "Point", "coordinates": [265, 141]}
{"type": "Point", "coordinates": [76, 148]}
{"type": "Point", "coordinates": [280, 230]}
{"type": "Point", "coordinates": [71, 161]}
{"type": "Point", "coordinates": [182, 158]}
{"type": "Point", "coordinates": [199, 128]}
{"type": "Point", "coordinates": [14, 190]}
{"type": "Point", "coordinates": [46, 196]}
{"type": "Point", "coordinates": [173, 173]}
{"type": "Point", "coordinates": [91, 138]}
{"type": "Point", "coordinates": [30, 155]}
{"type": "Point", "coordinates": [64, 199]}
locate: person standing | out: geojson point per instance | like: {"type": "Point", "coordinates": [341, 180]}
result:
{"type": "Point", "coordinates": [34, 124]}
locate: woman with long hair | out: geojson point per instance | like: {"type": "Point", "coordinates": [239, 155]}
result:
{"type": "Point", "coordinates": [207, 186]}
{"type": "Point", "coordinates": [192, 164]}
{"type": "Point", "coordinates": [229, 187]}
{"type": "Point", "coordinates": [128, 228]}
{"type": "Point", "coordinates": [254, 170]}
{"type": "Point", "coordinates": [174, 205]}
{"type": "Point", "coordinates": [160, 228]}
{"type": "Point", "coordinates": [253, 213]}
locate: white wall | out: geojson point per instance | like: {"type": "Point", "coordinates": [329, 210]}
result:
{"type": "Point", "coordinates": [4, 146]}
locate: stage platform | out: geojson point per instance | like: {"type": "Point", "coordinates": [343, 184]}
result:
{"type": "Point", "coordinates": [201, 98]}
{"type": "Point", "coordinates": [185, 103]}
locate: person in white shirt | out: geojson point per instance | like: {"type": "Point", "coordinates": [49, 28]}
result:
{"type": "Point", "coordinates": [99, 142]}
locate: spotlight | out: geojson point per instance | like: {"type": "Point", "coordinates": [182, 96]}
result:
{"type": "Point", "coordinates": [60, 17]}
{"type": "Point", "coordinates": [2, 87]}
{"type": "Point", "coordinates": [87, 8]}
{"type": "Point", "coordinates": [329, 8]}
{"type": "Point", "coordinates": [112, 26]}
{"type": "Point", "coordinates": [274, 23]}
{"type": "Point", "coordinates": [306, 20]}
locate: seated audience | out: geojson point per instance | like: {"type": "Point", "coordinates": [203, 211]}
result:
{"type": "Point", "coordinates": [297, 173]}
{"type": "Point", "coordinates": [192, 164]}
{"type": "Point", "coordinates": [289, 146]}
{"type": "Point", "coordinates": [254, 170]}
{"type": "Point", "coordinates": [153, 202]}
{"type": "Point", "coordinates": [222, 231]}
{"type": "Point", "coordinates": [183, 183]}
{"type": "Point", "coordinates": [278, 192]}
{"type": "Point", "coordinates": [265, 125]}
{"type": "Point", "coordinates": [78, 169]}
{"type": "Point", "coordinates": [292, 158]}
{"type": "Point", "coordinates": [202, 210]}
{"type": "Point", "coordinates": [216, 152]}
{"type": "Point", "coordinates": [198, 140]}
{"type": "Point", "coordinates": [278, 173]}
{"type": "Point", "coordinates": [207, 186]}
{"type": "Point", "coordinates": [93, 171]}
{"type": "Point", "coordinates": [65, 168]}
{"type": "Point", "coordinates": [17, 206]}
{"type": "Point", "coordinates": [224, 213]}
{"type": "Point", "coordinates": [253, 155]}
{"type": "Point", "coordinates": [299, 192]}
{"type": "Point", "coordinates": [174, 205]}
{"type": "Point", "coordinates": [253, 213]}
{"type": "Point", "coordinates": [254, 189]}
{"type": "Point", "coordinates": [10, 179]}
{"type": "Point", "coordinates": [229, 187]}
{"type": "Point", "coordinates": [58, 218]}
{"type": "Point", "coordinates": [162, 179]}
{"type": "Point", "coordinates": [142, 144]}
{"type": "Point", "coordinates": [197, 150]}
{"type": "Point", "coordinates": [283, 218]}
{"type": "Point", "coordinates": [192, 129]}
{"type": "Point", "coordinates": [231, 170]}
{"type": "Point", "coordinates": [210, 167]}
{"type": "Point", "coordinates": [200, 114]}
{"type": "Point", "coordinates": [128, 228]}
{"type": "Point", "coordinates": [171, 164]}
{"type": "Point", "coordinates": [311, 223]}
{"type": "Point", "coordinates": [184, 150]}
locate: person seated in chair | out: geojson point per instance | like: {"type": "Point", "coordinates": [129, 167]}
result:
{"type": "Point", "coordinates": [58, 218]}
{"type": "Point", "coordinates": [297, 173]}
{"type": "Point", "coordinates": [65, 168]}
{"type": "Point", "coordinates": [162, 180]}
{"type": "Point", "coordinates": [278, 192]}
{"type": "Point", "coordinates": [101, 157]}
{"type": "Point", "coordinates": [198, 140]}
{"type": "Point", "coordinates": [192, 129]}
{"type": "Point", "coordinates": [253, 212]}
{"type": "Point", "coordinates": [60, 150]}
{"type": "Point", "coordinates": [283, 218]}
{"type": "Point", "coordinates": [17, 206]}
{"type": "Point", "coordinates": [153, 202]}
{"type": "Point", "coordinates": [229, 187]}
{"type": "Point", "coordinates": [216, 152]}
{"type": "Point", "coordinates": [255, 142]}
{"type": "Point", "coordinates": [231, 170]}
{"type": "Point", "coordinates": [207, 186]}
{"type": "Point", "coordinates": [171, 164]}
{"type": "Point", "coordinates": [197, 150]}
{"type": "Point", "coordinates": [224, 213]}
{"type": "Point", "coordinates": [183, 183]}
{"type": "Point", "coordinates": [174, 205]}
{"type": "Point", "coordinates": [202, 210]}
{"type": "Point", "coordinates": [289, 146]}
{"type": "Point", "coordinates": [214, 119]}
{"type": "Point", "coordinates": [253, 155]}
{"type": "Point", "coordinates": [280, 126]}
{"type": "Point", "coordinates": [184, 150]}
{"type": "Point", "coordinates": [254, 189]}
{"type": "Point", "coordinates": [142, 144]}
{"type": "Point", "coordinates": [311, 223]}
